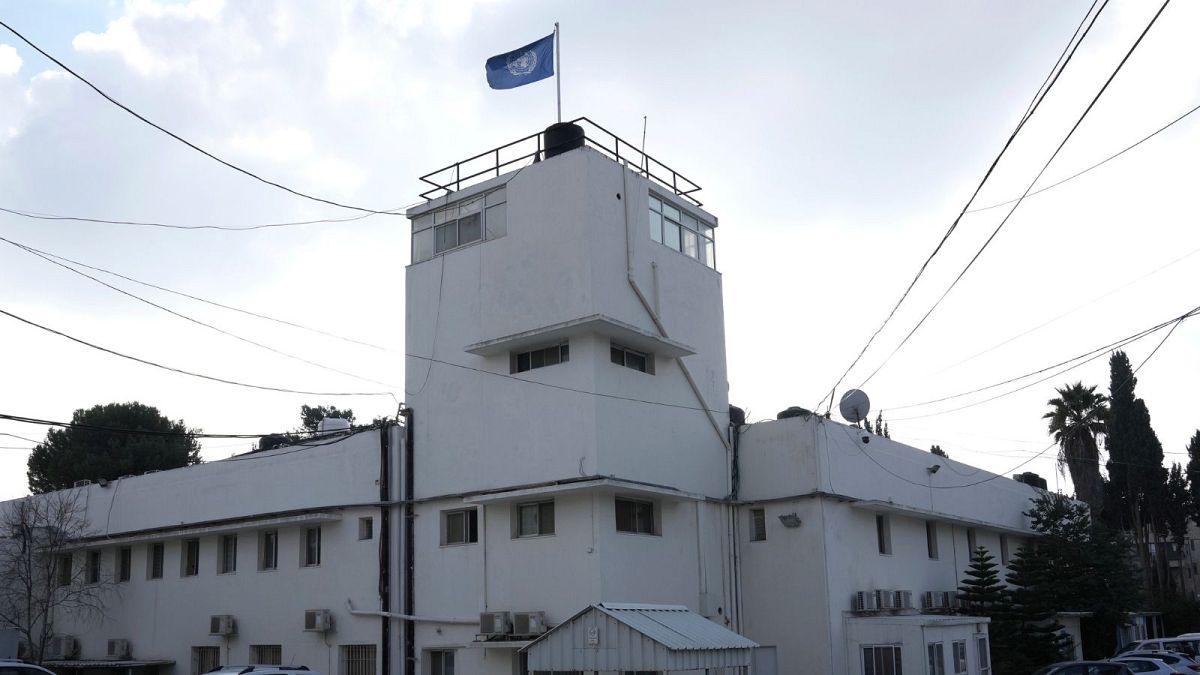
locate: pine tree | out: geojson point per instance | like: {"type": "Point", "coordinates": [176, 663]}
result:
{"type": "Point", "coordinates": [937, 450]}
{"type": "Point", "coordinates": [981, 591]}
{"type": "Point", "coordinates": [1040, 635]}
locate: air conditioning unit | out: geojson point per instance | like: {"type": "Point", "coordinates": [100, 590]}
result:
{"type": "Point", "coordinates": [887, 599]}
{"type": "Point", "coordinates": [118, 650]}
{"type": "Point", "coordinates": [82, 482]}
{"type": "Point", "coordinates": [495, 623]}
{"type": "Point", "coordinates": [904, 600]}
{"type": "Point", "coordinates": [866, 601]}
{"type": "Point", "coordinates": [952, 600]}
{"type": "Point", "coordinates": [529, 623]}
{"type": "Point", "coordinates": [318, 620]}
{"type": "Point", "coordinates": [933, 600]}
{"type": "Point", "coordinates": [62, 647]}
{"type": "Point", "coordinates": [221, 624]}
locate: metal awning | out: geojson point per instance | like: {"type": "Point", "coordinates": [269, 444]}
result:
{"type": "Point", "coordinates": [618, 636]}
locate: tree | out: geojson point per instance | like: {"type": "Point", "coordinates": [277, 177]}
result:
{"type": "Point", "coordinates": [39, 576]}
{"type": "Point", "coordinates": [1137, 479]}
{"type": "Point", "coordinates": [1032, 610]}
{"type": "Point", "coordinates": [980, 591]}
{"type": "Point", "coordinates": [86, 450]}
{"type": "Point", "coordinates": [1193, 469]}
{"type": "Point", "coordinates": [1178, 505]}
{"type": "Point", "coordinates": [937, 450]}
{"type": "Point", "coordinates": [1077, 417]}
{"type": "Point", "coordinates": [311, 416]}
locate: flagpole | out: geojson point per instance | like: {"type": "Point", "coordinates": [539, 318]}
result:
{"type": "Point", "coordinates": [558, 72]}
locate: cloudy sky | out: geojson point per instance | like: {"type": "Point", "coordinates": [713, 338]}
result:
{"type": "Point", "coordinates": [835, 140]}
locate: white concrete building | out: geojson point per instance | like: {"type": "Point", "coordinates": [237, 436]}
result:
{"type": "Point", "coordinates": [566, 446]}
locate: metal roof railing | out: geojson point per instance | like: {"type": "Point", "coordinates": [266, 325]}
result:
{"type": "Point", "coordinates": [496, 161]}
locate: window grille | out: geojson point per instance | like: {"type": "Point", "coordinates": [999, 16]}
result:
{"type": "Point", "coordinates": [205, 659]}
{"type": "Point", "coordinates": [758, 524]}
{"type": "Point", "coordinates": [266, 655]}
{"type": "Point", "coordinates": [357, 660]}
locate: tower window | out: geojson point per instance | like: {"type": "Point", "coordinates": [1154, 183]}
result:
{"type": "Point", "coordinates": [639, 361]}
{"type": "Point", "coordinates": [462, 223]}
{"type": "Point", "coordinates": [539, 358]}
{"type": "Point", "coordinates": [681, 231]}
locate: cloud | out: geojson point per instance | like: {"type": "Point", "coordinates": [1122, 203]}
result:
{"type": "Point", "coordinates": [10, 61]}
{"type": "Point", "coordinates": [280, 145]}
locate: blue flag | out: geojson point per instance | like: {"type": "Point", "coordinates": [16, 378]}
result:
{"type": "Point", "coordinates": [530, 63]}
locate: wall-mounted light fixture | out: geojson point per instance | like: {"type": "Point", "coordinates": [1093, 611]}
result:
{"type": "Point", "coordinates": [790, 520]}
{"type": "Point", "coordinates": [934, 468]}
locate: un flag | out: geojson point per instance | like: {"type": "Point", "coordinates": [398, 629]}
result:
{"type": "Point", "coordinates": [530, 63]}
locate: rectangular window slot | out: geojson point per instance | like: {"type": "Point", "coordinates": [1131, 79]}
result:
{"type": "Point", "coordinates": [268, 550]}
{"type": "Point", "coordinates": [366, 529]}
{"type": "Point", "coordinates": [883, 533]}
{"type": "Point", "coordinates": [310, 551]}
{"type": "Point", "coordinates": [460, 526]}
{"type": "Point", "coordinates": [154, 564]}
{"type": "Point", "coordinates": [228, 551]}
{"type": "Point", "coordinates": [681, 231]}
{"type": "Point", "coordinates": [520, 362]}
{"type": "Point", "coordinates": [634, 360]}
{"type": "Point", "coordinates": [124, 563]}
{"type": "Point", "coordinates": [758, 524]}
{"type": "Point", "coordinates": [636, 516]}
{"type": "Point", "coordinates": [533, 519]}
{"type": "Point", "coordinates": [190, 560]}
{"type": "Point", "coordinates": [931, 539]}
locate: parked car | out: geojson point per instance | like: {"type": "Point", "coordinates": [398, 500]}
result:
{"type": "Point", "coordinates": [1177, 662]}
{"type": "Point", "coordinates": [18, 667]}
{"type": "Point", "coordinates": [1147, 665]}
{"type": "Point", "coordinates": [1086, 668]}
{"type": "Point", "coordinates": [1189, 647]}
{"type": "Point", "coordinates": [262, 670]}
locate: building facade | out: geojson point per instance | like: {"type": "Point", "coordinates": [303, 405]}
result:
{"type": "Point", "coordinates": [566, 444]}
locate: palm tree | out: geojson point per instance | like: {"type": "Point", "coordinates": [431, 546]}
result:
{"type": "Point", "coordinates": [1077, 417]}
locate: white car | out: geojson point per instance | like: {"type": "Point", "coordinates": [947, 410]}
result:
{"type": "Point", "coordinates": [1145, 665]}
{"type": "Point", "coordinates": [1181, 645]}
{"type": "Point", "coordinates": [1178, 663]}
{"type": "Point", "coordinates": [18, 667]}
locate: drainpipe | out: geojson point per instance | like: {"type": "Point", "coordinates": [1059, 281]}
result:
{"type": "Point", "coordinates": [411, 618]}
{"type": "Point", "coordinates": [385, 544]}
{"type": "Point", "coordinates": [410, 628]}
{"type": "Point", "coordinates": [662, 330]}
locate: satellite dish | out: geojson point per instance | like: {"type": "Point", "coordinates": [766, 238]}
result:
{"type": "Point", "coordinates": [854, 406]}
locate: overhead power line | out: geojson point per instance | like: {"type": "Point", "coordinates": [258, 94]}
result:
{"type": "Point", "coordinates": [1097, 165]}
{"type": "Point", "coordinates": [206, 301]}
{"type": "Point", "coordinates": [228, 228]}
{"type": "Point", "coordinates": [179, 138]}
{"type": "Point", "coordinates": [193, 320]}
{"type": "Point", "coordinates": [1059, 66]}
{"type": "Point", "coordinates": [1088, 357]}
{"type": "Point", "coordinates": [1019, 200]}
{"type": "Point", "coordinates": [188, 372]}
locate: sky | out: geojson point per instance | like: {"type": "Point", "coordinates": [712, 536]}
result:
{"type": "Point", "coordinates": [835, 141]}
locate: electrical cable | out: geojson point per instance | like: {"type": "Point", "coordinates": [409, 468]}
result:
{"type": "Point", "coordinates": [1060, 65]}
{"type": "Point", "coordinates": [179, 138]}
{"type": "Point", "coordinates": [204, 300]}
{"type": "Point", "coordinates": [1069, 312]}
{"type": "Point", "coordinates": [228, 228]}
{"type": "Point", "coordinates": [1094, 166]}
{"type": "Point", "coordinates": [1024, 195]}
{"type": "Point", "coordinates": [1035, 382]}
{"type": "Point", "coordinates": [1098, 350]}
{"type": "Point", "coordinates": [23, 438]}
{"type": "Point", "coordinates": [190, 373]}
{"type": "Point", "coordinates": [197, 321]}
{"type": "Point", "coordinates": [121, 430]}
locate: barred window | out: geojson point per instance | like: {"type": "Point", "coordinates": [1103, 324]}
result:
{"type": "Point", "coordinates": [266, 655]}
{"type": "Point", "coordinates": [758, 524]}
{"type": "Point", "coordinates": [205, 659]}
{"type": "Point", "coordinates": [357, 660]}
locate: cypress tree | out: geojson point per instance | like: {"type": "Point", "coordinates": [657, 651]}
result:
{"type": "Point", "coordinates": [1193, 474]}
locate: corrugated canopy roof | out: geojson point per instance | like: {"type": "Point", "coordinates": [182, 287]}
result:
{"type": "Point", "coordinates": [675, 626]}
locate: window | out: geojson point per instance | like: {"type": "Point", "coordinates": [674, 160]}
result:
{"type": "Point", "coordinates": [959, 651]}
{"type": "Point", "coordinates": [539, 358]}
{"type": "Point", "coordinates": [154, 562]}
{"type": "Point", "coordinates": [937, 659]}
{"type": "Point", "coordinates": [205, 659]}
{"type": "Point", "coordinates": [985, 656]}
{"type": "Point", "coordinates": [462, 223]}
{"type": "Point", "coordinates": [93, 567]}
{"type": "Point", "coordinates": [441, 662]}
{"type": "Point", "coordinates": [266, 655]}
{"type": "Point", "coordinates": [534, 519]}
{"type": "Point", "coordinates": [268, 550]}
{"type": "Point", "coordinates": [356, 659]}
{"type": "Point", "coordinates": [882, 660]}
{"type": "Point", "coordinates": [931, 540]}
{"type": "Point", "coordinates": [64, 569]}
{"type": "Point", "coordinates": [635, 516]}
{"type": "Point", "coordinates": [883, 533]}
{"type": "Point", "coordinates": [972, 543]}
{"type": "Point", "coordinates": [366, 529]}
{"type": "Point", "coordinates": [681, 231]}
{"type": "Point", "coordinates": [228, 564]}
{"type": "Point", "coordinates": [124, 563]}
{"type": "Point", "coordinates": [1004, 549]}
{"type": "Point", "coordinates": [460, 526]}
{"type": "Point", "coordinates": [758, 524]}
{"type": "Point", "coordinates": [623, 356]}
{"type": "Point", "coordinates": [310, 552]}
{"type": "Point", "coordinates": [190, 562]}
